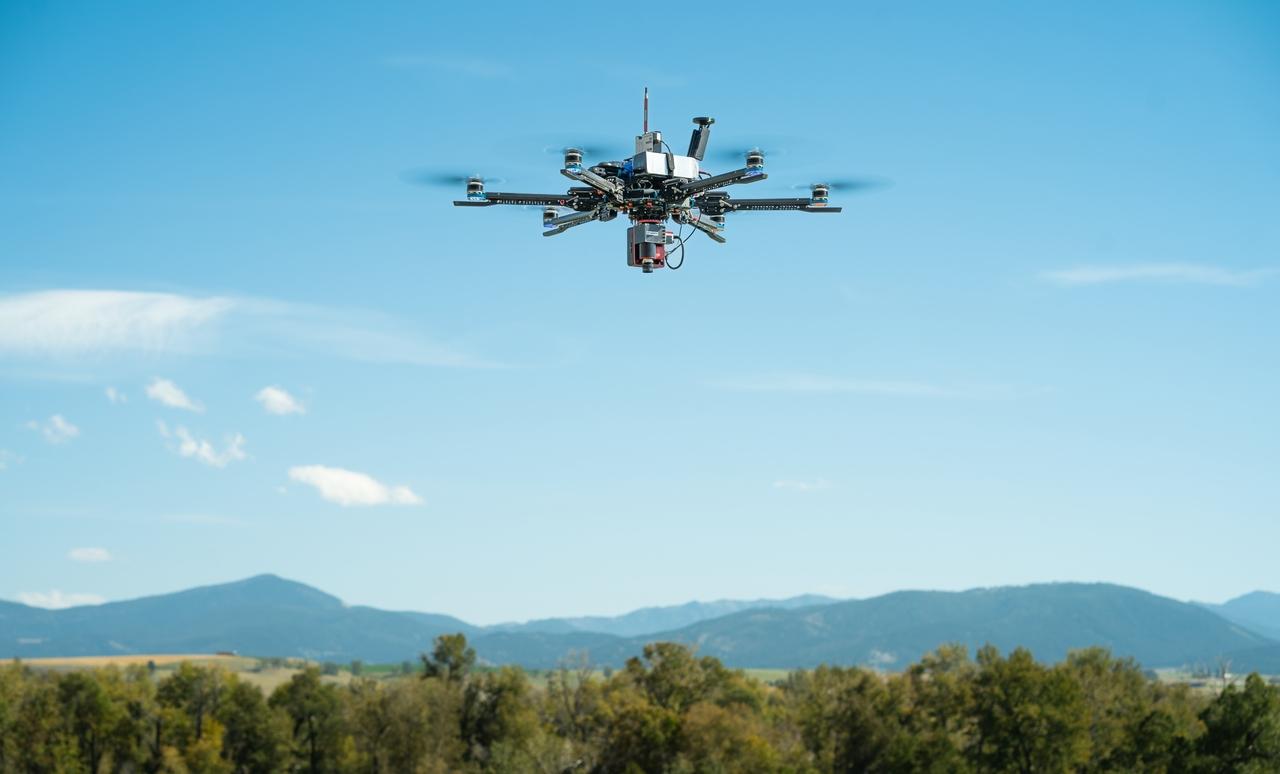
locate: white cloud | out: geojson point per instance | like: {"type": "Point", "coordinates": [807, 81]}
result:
{"type": "Point", "coordinates": [202, 450]}
{"type": "Point", "coordinates": [168, 393]}
{"type": "Point", "coordinates": [90, 555]}
{"type": "Point", "coordinates": [56, 430]}
{"type": "Point", "coordinates": [56, 600]}
{"type": "Point", "coordinates": [276, 401]}
{"type": "Point", "coordinates": [68, 322]}
{"type": "Point", "coordinates": [1186, 273]}
{"type": "Point", "coordinates": [802, 485]}
{"type": "Point", "coordinates": [347, 487]}
{"type": "Point", "coordinates": [8, 458]}
{"type": "Point", "coordinates": [65, 323]}
{"type": "Point", "coordinates": [115, 396]}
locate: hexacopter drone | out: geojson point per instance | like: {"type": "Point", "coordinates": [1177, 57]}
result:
{"type": "Point", "coordinates": [650, 188]}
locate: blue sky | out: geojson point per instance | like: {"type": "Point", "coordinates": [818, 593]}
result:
{"type": "Point", "coordinates": [1046, 351]}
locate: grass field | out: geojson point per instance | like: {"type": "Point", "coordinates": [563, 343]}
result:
{"type": "Point", "coordinates": [250, 670]}
{"type": "Point", "coordinates": [230, 663]}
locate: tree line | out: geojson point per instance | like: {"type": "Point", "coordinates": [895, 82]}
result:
{"type": "Point", "coordinates": [668, 710]}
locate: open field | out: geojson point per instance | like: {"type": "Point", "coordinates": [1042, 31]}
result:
{"type": "Point", "coordinates": [230, 663]}
{"type": "Point", "coordinates": [267, 675]}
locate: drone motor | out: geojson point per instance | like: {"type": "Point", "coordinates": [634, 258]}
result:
{"type": "Point", "coordinates": [573, 159]}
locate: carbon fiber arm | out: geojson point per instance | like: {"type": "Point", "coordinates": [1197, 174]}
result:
{"type": "Point", "coordinates": [566, 222]}
{"type": "Point", "coordinates": [707, 227]}
{"type": "Point", "coordinates": [490, 199]}
{"type": "Point", "coordinates": [736, 177]}
{"type": "Point", "coordinates": [799, 205]}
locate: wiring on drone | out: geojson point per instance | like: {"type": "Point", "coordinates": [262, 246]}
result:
{"type": "Point", "coordinates": [679, 238]}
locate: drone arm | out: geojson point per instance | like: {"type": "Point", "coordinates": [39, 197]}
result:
{"type": "Point", "coordinates": [552, 200]}
{"type": "Point", "coordinates": [799, 205]}
{"type": "Point", "coordinates": [593, 180]}
{"type": "Point", "coordinates": [707, 227]}
{"type": "Point", "coordinates": [739, 176]}
{"type": "Point", "coordinates": [566, 222]}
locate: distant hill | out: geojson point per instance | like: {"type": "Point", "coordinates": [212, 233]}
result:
{"type": "Point", "coordinates": [650, 620]}
{"type": "Point", "coordinates": [270, 616]}
{"type": "Point", "coordinates": [264, 615]}
{"type": "Point", "coordinates": [1049, 619]}
{"type": "Point", "coordinates": [1257, 610]}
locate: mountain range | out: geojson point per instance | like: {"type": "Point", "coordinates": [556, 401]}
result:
{"type": "Point", "coordinates": [270, 616]}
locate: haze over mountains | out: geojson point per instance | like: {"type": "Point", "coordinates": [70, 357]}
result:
{"type": "Point", "coordinates": [1257, 610]}
{"type": "Point", "coordinates": [270, 616]}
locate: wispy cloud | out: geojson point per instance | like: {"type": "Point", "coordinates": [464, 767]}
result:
{"type": "Point", "coordinates": [57, 600]}
{"type": "Point", "coordinates": [202, 450]}
{"type": "Point", "coordinates": [1183, 273]}
{"type": "Point", "coordinates": [348, 487]}
{"type": "Point", "coordinates": [8, 458]}
{"type": "Point", "coordinates": [69, 325]}
{"type": "Point", "coordinates": [115, 396]}
{"type": "Point", "coordinates": [89, 555]}
{"type": "Point", "coordinates": [71, 322]}
{"type": "Point", "coordinates": [275, 400]}
{"type": "Point", "coordinates": [802, 485]}
{"type": "Point", "coordinates": [55, 430]}
{"type": "Point", "coordinates": [169, 394]}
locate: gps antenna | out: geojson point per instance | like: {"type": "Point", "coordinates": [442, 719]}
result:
{"type": "Point", "coordinates": [646, 109]}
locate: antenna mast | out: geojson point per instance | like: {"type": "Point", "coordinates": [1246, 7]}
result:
{"type": "Point", "coordinates": [646, 109]}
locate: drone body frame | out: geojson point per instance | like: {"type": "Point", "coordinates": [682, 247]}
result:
{"type": "Point", "coordinates": [650, 188]}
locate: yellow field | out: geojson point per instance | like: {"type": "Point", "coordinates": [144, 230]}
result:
{"type": "Point", "coordinates": [247, 669]}
{"type": "Point", "coordinates": [230, 663]}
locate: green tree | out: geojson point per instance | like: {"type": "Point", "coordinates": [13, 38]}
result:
{"type": "Point", "coordinates": [13, 679]}
{"type": "Point", "coordinates": [315, 712]}
{"type": "Point", "coordinates": [1029, 718]}
{"type": "Point", "coordinates": [1242, 730]}
{"type": "Point", "coordinates": [933, 700]}
{"type": "Point", "coordinates": [37, 729]}
{"type": "Point", "coordinates": [252, 736]}
{"type": "Point", "coordinates": [496, 707]}
{"type": "Point", "coordinates": [451, 659]}
{"type": "Point", "coordinates": [845, 717]}
{"type": "Point", "coordinates": [193, 690]}
{"type": "Point", "coordinates": [88, 715]}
